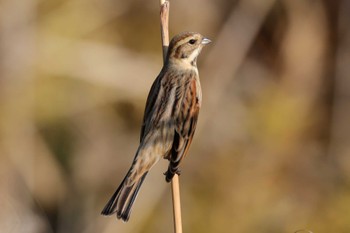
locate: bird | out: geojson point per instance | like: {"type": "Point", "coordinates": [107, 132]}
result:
{"type": "Point", "coordinates": [169, 121]}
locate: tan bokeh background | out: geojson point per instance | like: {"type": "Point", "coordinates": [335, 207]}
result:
{"type": "Point", "coordinates": [271, 152]}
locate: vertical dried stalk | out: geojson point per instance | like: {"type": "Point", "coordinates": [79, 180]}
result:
{"type": "Point", "coordinates": [175, 187]}
{"type": "Point", "coordinates": [164, 25]}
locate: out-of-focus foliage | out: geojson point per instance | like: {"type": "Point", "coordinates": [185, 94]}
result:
{"type": "Point", "coordinates": [271, 152]}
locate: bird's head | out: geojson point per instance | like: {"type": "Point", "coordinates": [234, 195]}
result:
{"type": "Point", "coordinates": [185, 48]}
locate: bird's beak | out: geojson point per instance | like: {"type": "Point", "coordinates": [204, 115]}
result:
{"type": "Point", "coordinates": [205, 41]}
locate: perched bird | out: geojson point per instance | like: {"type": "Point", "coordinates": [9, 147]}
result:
{"type": "Point", "coordinates": [169, 120]}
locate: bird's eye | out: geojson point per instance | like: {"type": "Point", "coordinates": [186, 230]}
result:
{"type": "Point", "coordinates": [192, 41]}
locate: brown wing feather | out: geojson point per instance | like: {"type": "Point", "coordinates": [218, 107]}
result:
{"type": "Point", "coordinates": [151, 100]}
{"type": "Point", "coordinates": [185, 127]}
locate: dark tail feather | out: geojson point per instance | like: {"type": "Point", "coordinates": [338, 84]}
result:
{"type": "Point", "coordinates": [122, 200]}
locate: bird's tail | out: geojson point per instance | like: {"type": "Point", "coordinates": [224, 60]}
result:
{"type": "Point", "coordinates": [122, 200]}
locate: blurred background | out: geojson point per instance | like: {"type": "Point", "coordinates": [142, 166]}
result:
{"type": "Point", "coordinates": [271, 152]}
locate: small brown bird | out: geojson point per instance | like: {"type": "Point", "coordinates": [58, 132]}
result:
{"type": "Point", "coordinates": [169, 120]}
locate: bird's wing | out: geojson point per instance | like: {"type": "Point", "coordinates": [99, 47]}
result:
{"type": "Point", "coordinates": [151, 100]}
{"type": "Point", "coordinates": [185, 123]}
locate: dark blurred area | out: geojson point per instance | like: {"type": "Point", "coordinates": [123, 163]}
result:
{"type": "Point", "coordinates": [271, 152]}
